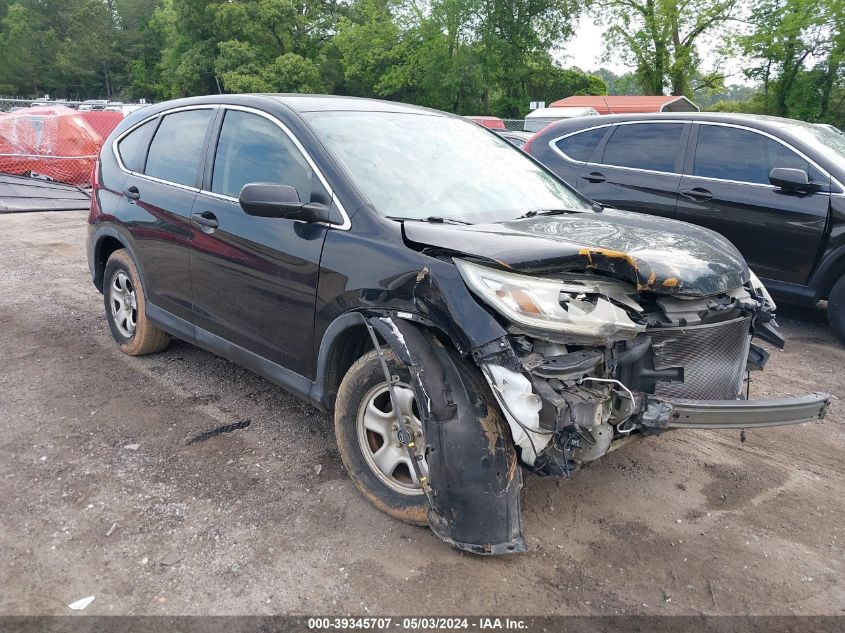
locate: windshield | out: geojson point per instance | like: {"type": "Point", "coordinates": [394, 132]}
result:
{"type": "Point", "coordinates": [425, 165]}
{"type": "Point", "coordinates": [825, 138]}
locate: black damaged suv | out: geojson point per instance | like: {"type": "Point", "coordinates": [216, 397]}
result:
{"type": "Point", "coordinates": [458, 307]}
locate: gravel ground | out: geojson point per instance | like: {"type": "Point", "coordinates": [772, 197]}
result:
{"type": "Point", "coordinates": [102, 494]}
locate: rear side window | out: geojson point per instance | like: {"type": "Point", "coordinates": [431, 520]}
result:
{"type": "Point", "coordinates": [651, 146]}
{"type": "Point", "coordinates": [580, 146]}
{"type": "Point", "coordinates": [131, 147]}
{"type": "Point", "coordinates": [176, 150]}
{"type": "Point", "coordinates": [730, 153]}
{"type": "Point", "coordinates": [254, 149]}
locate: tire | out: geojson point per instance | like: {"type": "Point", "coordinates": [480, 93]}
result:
{"type": "Point", "coordinates": [124, 300]}
{"type": "Point", "coordinates": [364, 383]}
{"type": "Point", "coordinates": [836, 309]}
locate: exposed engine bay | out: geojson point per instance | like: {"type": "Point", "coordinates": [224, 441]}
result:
{"type": "Point", "coordinates": [570, 401]}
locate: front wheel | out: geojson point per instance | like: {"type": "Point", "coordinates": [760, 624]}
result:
{"type": "Point", "coordinates": [367, 437]}
{"type": "Point", "coordinates": [836, 309]}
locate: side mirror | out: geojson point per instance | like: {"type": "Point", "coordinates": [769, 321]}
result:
{"type": "Point", "coordinates": [280, 201]}
{"type": "Point", "coordinates": [790, 179]}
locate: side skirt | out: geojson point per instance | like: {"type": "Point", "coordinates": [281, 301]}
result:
{"type": "Point", "coordinates": [297, 384]}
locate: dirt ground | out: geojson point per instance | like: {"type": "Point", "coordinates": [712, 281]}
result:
{"type": "Point", "coordinates": [102, 495]}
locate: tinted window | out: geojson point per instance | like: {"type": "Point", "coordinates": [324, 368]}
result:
{"type": "Point", "coordinates": [580, 146]}
{"type": "Point", "coordinates": [254, 149]}
{"type": "Point", "coordinates": [131, 147]}
{"type": "Point", "coordinates": [176, 150]}
{"type": "Point", "coordinates": [644, 146]}
{"type": "Point", "coordinates": [733, 154]}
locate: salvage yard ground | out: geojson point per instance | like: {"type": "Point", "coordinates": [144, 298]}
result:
{"type": "Point", "coordinates": [103, 493]}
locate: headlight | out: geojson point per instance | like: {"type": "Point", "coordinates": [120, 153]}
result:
{"type": "Point", "coordinates": [547, 304]}
{"type": "Point", "coordinates": [761, 289]}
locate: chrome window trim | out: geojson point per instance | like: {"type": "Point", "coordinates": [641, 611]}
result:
{"type": "Point", "coordinates": [555, 148]}
{"type": "Point", "coordinates": [347, 223]}
{"type": "Point", "coordinates": [345, 226]}
{"type": "Point", "coordinates": [117, 140]}
{"type": "Point", "coordinates": [824, 172]}
{"type": "Point", "coordinates": [809, 160]}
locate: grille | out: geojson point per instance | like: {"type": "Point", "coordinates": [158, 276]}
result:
{"type": "Point", "coordinates": [713, 357]}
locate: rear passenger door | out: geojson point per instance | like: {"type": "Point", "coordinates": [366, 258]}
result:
{"type": "Point", "coordinates": [638, 168]}
{"type": "Point", "coordinates": [255, 279]}
{"type": "Point", "coordinates": [164, 157]}
{"type": "Point", "coordinates": [726, 188]}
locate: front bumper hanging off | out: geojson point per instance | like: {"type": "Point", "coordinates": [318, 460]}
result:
{"type": "Point", "coordinates": [734, 414]}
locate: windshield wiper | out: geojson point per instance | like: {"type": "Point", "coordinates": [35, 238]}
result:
{"type": "Point", "coordinates": [432, 219]}
{"type": "Point", "coordinates": [536, 212]}
{"type": "Point", "coordinates": [598, 208]}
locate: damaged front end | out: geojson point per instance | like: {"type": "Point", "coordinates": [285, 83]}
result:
{"type": "Point", "coordinates": [580, 359]}
{"type": "Point", "coordinates": [632, 362]}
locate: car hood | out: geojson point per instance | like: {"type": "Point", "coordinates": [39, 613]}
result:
{"type": "Point", "coordinates": [653, 253]}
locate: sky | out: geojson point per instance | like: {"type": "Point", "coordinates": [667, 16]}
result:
{"type": "Point", "coordinates": [587, 47]}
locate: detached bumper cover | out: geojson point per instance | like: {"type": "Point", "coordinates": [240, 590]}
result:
{"type": "Point", "coordinates": [735, 414]}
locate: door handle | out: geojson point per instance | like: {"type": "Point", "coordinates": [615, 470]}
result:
{"type": "Point", "coordinates": [206, 219]}
{"type": "Point", "coordinates": [698, 193]}
{"type": "Point", "coordinates": [132, 193]}
{"type": "Point", "coordinates": [594, 176]}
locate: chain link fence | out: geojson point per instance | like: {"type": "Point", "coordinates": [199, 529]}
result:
{"type": "Point", "coordinates": [515, 125]}
{"type": "Point", "coordinates": [56, 140]}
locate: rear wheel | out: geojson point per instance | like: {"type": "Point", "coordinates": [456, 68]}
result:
{"type": "Point", "coordinates": [836, 309]}
{"type": "Point", "coordinates": [367, 437]}
{"type": "Point", "coordinates": [125, 302]}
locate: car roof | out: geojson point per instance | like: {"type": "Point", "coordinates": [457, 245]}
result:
{"type": "Point", "coordinates": [749, 120]}
{"type": "Point", "coordinates": [325, 103]}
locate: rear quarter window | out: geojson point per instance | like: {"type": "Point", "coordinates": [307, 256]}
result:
{"type": "Point", "coordinates": [580, 146]}
{"type": "Point", "coordinates": [133, 146]}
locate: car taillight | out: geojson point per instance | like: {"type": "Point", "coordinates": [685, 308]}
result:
{"type": "Point", "coordinates": [94, 211]}
{"type": "Point", "coordinates": [94, 181]}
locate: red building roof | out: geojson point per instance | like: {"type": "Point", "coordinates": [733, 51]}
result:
{"type": "Point", "coordinates": [493, 122]}
{"type": "Point", "coordinates": [626, 105]}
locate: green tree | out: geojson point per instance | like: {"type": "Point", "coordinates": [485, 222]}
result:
{"type": "Point", "coordinates": [786, 37]}
{"type": "Point", "coordinates": [659, 38]}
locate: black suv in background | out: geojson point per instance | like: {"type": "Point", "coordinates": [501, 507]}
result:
{"type": "Point", "coordinates": [773, 187]}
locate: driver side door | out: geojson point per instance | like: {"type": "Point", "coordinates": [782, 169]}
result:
{"type": "Point", "coordinates": [254, 279]}
{"type": "Point", "coordinates": [726, 188]}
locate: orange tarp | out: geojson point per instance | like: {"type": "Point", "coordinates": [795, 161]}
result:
{"type": "Point", "coordinates": [52, 141]}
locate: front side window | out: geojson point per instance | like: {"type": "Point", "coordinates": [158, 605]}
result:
{"type": "Point", "coordinates": [419, 165]}
{"type": "Point", "coordinates": [131, 147]}
{"type": "Point", "coordinates": [730, 153]}
{"type": "Point", "coordinates": [176, 151]}
{"type": "Point", "coordinates": [254, 149]}
{"type": "Point", "coordinates": [652, 146]}
{"type": "Point", "coordinates": [580, 146]}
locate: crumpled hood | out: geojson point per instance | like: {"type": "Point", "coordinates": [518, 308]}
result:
{"type": "Point", "coordinates": [653, 253]}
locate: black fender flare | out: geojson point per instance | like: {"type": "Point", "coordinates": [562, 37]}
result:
{"type": "Point", "coordinates": [474, 475]}
{"type": "Point", "coordinates": [96, 266]}
{"type": "Point", "coordinates": [828, 272]}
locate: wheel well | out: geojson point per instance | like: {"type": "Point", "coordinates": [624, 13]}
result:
{"type": "Point", "coordinates": [833, 275]}
{"type": "Point", "coordinates": [351, 345]}
{"type": "Point", "coordinates": [105, 248]}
